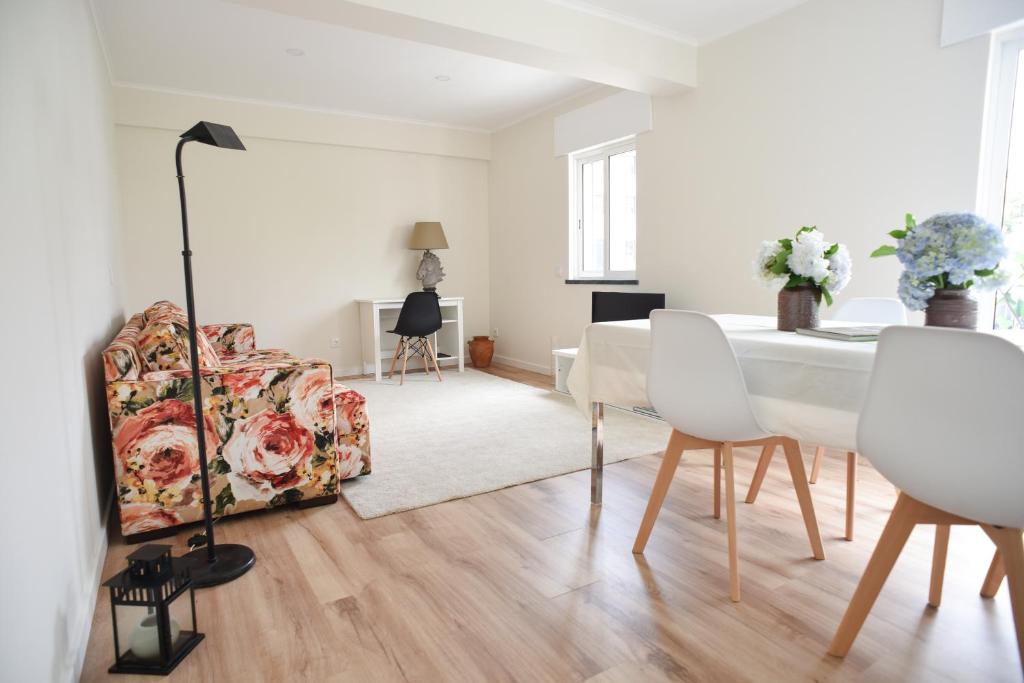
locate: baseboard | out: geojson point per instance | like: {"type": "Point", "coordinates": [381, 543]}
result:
{"type": "Point", "coordinates": [524, 365]}
{"type": "Point", "coordinates": [85, 629]}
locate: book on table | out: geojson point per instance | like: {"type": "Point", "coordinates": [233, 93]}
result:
{"type": "Point", "coordinates": [859, 333]}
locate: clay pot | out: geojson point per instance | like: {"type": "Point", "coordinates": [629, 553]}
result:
{"type": "Point", "coordinates": [798, 307]}
{"type": "Point", "coordinates": [481, 350]}
{"type": "Point", "coordinates": [952, 308]}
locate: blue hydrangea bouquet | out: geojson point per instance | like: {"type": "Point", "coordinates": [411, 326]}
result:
{"type": "Point", "coordinates": [949, 251]}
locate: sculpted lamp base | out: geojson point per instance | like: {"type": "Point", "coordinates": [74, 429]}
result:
{"type": "Point", "coordinates": [430, 272]}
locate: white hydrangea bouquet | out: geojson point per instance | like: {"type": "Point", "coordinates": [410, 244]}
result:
{"type": "Point", "coordinates": [805, 260]}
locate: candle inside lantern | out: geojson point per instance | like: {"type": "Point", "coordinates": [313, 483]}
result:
{"type": "Point", "coordinates": [145, 639]}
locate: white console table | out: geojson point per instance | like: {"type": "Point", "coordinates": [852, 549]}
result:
{"type": "Point", "coordinates": [376, 316]}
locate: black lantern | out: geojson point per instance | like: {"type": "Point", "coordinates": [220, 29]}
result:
{"type": "Point", "coordinates": [154, 609]}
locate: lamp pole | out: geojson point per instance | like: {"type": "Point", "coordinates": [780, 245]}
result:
{"type": "Point", "coordinates": [193, 347]}
{"type": "Point", "coordinates": [216, 564]}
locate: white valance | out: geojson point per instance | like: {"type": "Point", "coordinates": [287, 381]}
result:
{"type": "Point", "coordinates": [612, 118]}
{"type": "Point", "coordinates": [964, 19]}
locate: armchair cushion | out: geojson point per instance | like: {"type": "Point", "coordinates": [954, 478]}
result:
{"type": "Point", "coordinates": [121, 359]}
{"type": "Point", "coordinates": [231, 338]}
{"type": "Point", "coordinates": [164, 344]}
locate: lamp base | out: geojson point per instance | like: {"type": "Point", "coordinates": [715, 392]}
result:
{"type": "Point", "coordinates": [232, 561]}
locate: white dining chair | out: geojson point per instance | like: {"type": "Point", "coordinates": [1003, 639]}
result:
{"type": "Point", "coordinates": [878, 310]}
{"type": "Point", "coordinates": [872, 309]}
{"type": "Point", "coordinates": [695, 383]}
{"type": "Point", "coordinates": [867, 309]}
{"type": "Point", "coordinates": [942, 421]}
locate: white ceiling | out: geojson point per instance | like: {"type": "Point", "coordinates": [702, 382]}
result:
{"type": "Point", "coordinates": [694, 21]}
{"type": "Point", "coordinates": [238, 52]}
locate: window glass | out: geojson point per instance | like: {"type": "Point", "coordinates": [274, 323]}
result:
{"type": "Point", "coordinates": [622, 210]}
{"type": "Point", "coordinates": [1010, 301]}
{"type": "Point", "coordinates": [592, 217]}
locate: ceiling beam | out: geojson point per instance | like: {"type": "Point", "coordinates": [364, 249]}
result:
{"type": "Point", "coordinates": [536, 33]}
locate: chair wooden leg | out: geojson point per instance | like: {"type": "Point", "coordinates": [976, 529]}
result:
{"type": "Point", "coordinates": [669, 462]}
{"type": "Point", "coordinates": [890, 545]}
{"type": "Point", "coordinates": [762, 467]}
{"type": "Point", "coordinates": [819, 455]}
{"type": "Point", "coordinates": [1011, 547]}
{"type": "Point", "coordinates": [996, 572]}
{"type": "Point", "coordinates": [803, 494]}
{"type": "Point", "coordinates": [851, 492]}
{"type": "Point", "coordinates": [730, 515]}
{"type": "Point", "coordinates": [405, 360]}
{"type": "Point", "coordinates": [394, 360]}
{"type": "Point", "coordinates": [433, 357]}
{"type": "Point", "coordinates": [938, 564]}
{"type": "Point", "coordinates": [718, 483]}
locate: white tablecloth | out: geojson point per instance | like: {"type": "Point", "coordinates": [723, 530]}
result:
{"type": "Point", "coordinates": [805, 387]}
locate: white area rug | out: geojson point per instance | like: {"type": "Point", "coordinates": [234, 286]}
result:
{"type": "Point", "coordinates": [435, 441]}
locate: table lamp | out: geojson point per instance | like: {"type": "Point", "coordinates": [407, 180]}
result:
{"type": "Point", "coordinates": [427, 236]}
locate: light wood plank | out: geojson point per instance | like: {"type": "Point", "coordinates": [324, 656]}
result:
{"type": "Point", "coordinates": [531, 583]}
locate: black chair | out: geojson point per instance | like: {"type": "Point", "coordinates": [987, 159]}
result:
{"type": "Point", "coordinates": [419, 318]}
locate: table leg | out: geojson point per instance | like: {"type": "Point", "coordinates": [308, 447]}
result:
{"type": "Point", "coordinates": [596, 452]}
{"type": "Point", "coordinates": [377, 364]}
{"type": "Point", "coordinates": [462, 340]}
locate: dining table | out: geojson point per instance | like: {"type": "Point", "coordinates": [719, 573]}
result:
{"type": "Point", "coordinates": [805, 387]}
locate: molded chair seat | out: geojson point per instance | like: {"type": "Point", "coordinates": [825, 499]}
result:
{"type": "Point", "coordinates": [695, 383]}
{"type": "Point", "coordinates": [954, 462]}
{"type": "Point", "coordinates": [419, 318]}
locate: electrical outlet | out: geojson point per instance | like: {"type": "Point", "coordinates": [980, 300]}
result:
{"type": "Point", "coordinates": [494, 332]}
{"type": "Point", "coordinates": [335, 342]}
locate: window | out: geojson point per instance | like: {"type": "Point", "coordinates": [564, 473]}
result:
{"type": "Point", "coordinates": [602, 230]}
{"type": "Point", "coordinates": [1002, 175]}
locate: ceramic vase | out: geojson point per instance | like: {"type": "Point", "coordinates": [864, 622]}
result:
{"type": "Point", "coordinates": [481, 350]}
{"type": "Point", "coordinates": [952, 308]}
{"type": "Point", "coordinates": [798, 307]}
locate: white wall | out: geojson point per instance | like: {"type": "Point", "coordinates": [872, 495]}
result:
{"type": "Point", "coordinates": [840, 114]}
{"type": "Point", "coordinates": [288, 234]}
{"type": "Point", "coordinates": [60, 307]}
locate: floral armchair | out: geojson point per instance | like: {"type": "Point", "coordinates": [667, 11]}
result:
{"type": "Point", "coordinates": [278, 428]}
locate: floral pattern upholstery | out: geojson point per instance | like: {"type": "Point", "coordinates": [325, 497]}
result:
{"type": "Point", "coordinates": [278, 428]}
{"type": "Point", "coordinates": [164, 344]}
{"type": "Point", "coordinates": [231, 339]}
{"type": "Point", "coordinates": [121, 359]}
{"type": "Point", "coordinates": [353, 433]}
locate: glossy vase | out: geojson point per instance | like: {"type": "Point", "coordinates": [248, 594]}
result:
{"type": "Point", "coordinates": [952, 308]}
{"type": "Point", "coordinates": [481, 350]}
{"type": "Point", "coordinates": [798, 307]}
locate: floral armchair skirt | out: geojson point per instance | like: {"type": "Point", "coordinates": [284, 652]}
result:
{"type": "Point", "coordinates": [278, 429]}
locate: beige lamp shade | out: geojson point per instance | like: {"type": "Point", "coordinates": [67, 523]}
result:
{"type": "Point", "coordinates": [428, 235]}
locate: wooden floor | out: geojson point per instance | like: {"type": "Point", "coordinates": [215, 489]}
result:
{"type": "Point", "coordinates": [532, 584]}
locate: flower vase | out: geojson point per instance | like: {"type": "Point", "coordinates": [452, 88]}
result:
{"type": "Point", "coordinates": [952, 308]}
{"type": "Point", "coordinates": [481, 350]}
{"type": "Point", "coordinates": [798, 307]}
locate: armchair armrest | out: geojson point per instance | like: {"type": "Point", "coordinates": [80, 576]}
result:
{"type": "Point", "coordinates": [270, 433]}
{"type": "Point", "coordinates": [231, 338]}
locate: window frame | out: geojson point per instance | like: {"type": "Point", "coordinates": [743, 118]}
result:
{"type": "Point", "coordinates": [577, 274]}
{"type": "Point", "coordinates": [1004, 62]}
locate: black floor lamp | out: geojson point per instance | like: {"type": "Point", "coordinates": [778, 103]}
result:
{"type": "Point", "coordinates": [214, 564]}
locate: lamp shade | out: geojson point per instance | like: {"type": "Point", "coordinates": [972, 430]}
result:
{"type": "Point", "coordinates": [215, 134]}
{"type": "Point", "coordinates": [428, 235]}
